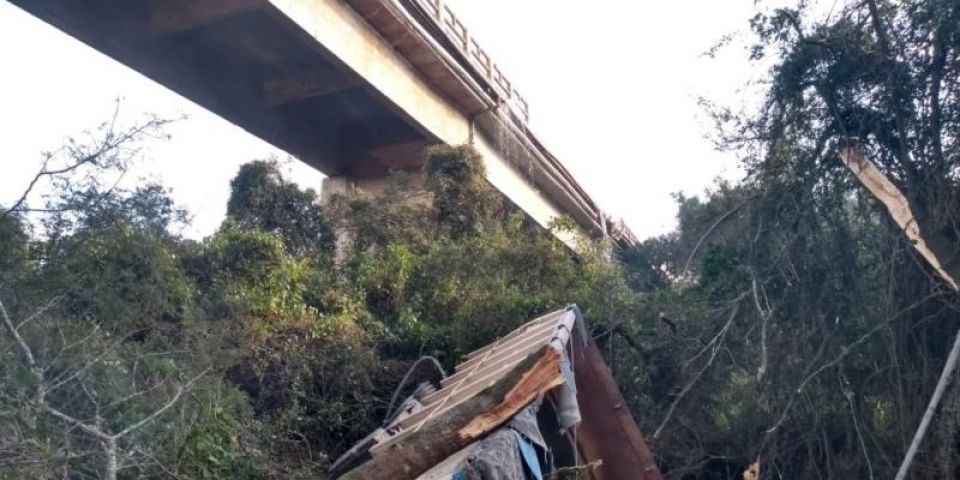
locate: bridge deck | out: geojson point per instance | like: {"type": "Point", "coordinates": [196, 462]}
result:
{"type": "Point", "coordinates": [352, 87]}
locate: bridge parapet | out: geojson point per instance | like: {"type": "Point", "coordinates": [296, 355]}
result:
{"type": "Point", "coordinates": [442, 17]}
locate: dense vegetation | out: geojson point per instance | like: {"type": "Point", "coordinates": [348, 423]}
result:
{"type": "Point", "coordinates": [786, 320]}
{"type": "Point", "coordinates": [801, 328]}
{"type": "Point", "coordinates": [267, 348]}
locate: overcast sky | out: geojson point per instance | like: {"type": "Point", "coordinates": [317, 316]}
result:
{"type": "Point", "coordinates": [612, 87]}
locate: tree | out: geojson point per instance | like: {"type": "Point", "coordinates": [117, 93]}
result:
{"type": "Point", "coordinates": [260, 199]}
{"type": "Point", "coordinates": [462, 199]}
{"type": "Point", "coordinates": [78, 394]}
{"type": "Point", "coordinates": [808, 334]}
{"type": "Point", "coordinates": [50, 382]}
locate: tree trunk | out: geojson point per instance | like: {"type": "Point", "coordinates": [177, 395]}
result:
{"type": "Point", "coordinates": [111, 448]}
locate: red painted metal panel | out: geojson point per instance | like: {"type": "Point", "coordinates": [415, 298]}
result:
{"type": "Point", "coordinates": [608, 431]}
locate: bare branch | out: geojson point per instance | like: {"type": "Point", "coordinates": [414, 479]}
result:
{"type": "Point", "coordinates": [53, 301]}
{"type": "Point", "coordinates": [27, 353]}
{"type": "Point", "coordinates": [856, 427]}
{"type": "Point", "coordinates": [96, 432]}
{"type": "Point", "coordinates": [764, 318]}
{"type": "Point", "coordinates": [138, 393]}
{"type": "Point", "coordinates": [164, 408]}
{"type": "Point", "coordinates": [75, 374]}
{"type": "Point", "coordinates": [714, 346]}
{"type": "Point", "coordinates": [112, 142]}
{"type": "Point", "coordinates": [844, 351]}
{"type": "Point", "coordinates": [720, 220]}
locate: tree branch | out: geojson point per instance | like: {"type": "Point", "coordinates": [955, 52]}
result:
{"type": "Point", "coordinates": [936, 80]}
{"type": "Point", "coordinates": [844, 351]}
{"type": "Point", "coordinates": [877, 23]}
{"type": "Point", "coordinates": [164, 408]}
{"type": "Point", "coordinates": [721, 219]}
{"type": "Point", "coordinates": [111, 142]}
{"type": "Point", "coordinates": [40, 311]}
{"type": "Point", "coordinates": [714, 345]}
{"type": "Point", "coordinates": [764, 317]}
{"type": "Point", "coordinates": [27, 353]}
{"type": "Point", "coordinates": [96, 432]}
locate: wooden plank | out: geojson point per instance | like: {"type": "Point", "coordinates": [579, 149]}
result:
{"type": "Point", "coordinates": [538, 322]}
{"type": "Point", "coordinates": [543, 377]}
{"type": "Point", "coordinates": [500, 358]}
{"type": "Point", "coordinates": [534, 338]}
{"type": "Point", "coordinates": [470, 381]}
{"type": "Point", "coordinates": [168, 17]}
{"type": "Point", "coordinates": [317, 83]}
{"type": "Point", "coordinates": [438, 405]}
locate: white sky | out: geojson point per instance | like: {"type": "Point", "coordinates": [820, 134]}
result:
{"type": "Point", "coordinates": [612, 87]}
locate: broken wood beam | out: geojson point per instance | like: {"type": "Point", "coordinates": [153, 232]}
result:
{"type": "Point", "coordinates": [899, 208]}
{"type": "Point", "coordinates": [413, 454]}
{"type": "Point", "coordinates": [543, 377]}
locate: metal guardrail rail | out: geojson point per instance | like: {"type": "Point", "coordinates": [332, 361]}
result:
{"type": "Point", "coordinates": [458, 35]}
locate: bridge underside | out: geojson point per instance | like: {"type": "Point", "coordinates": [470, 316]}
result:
{"type": "Point", "coordinates": [354, 88]}
{"type": "Point", "coordinates": [250, 64]}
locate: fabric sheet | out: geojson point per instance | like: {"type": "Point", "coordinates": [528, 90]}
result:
{"type": "Point", "coordinates": [568, 409]}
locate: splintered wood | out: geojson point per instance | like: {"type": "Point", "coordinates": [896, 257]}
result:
{"type": "Point", "coordinates": [896, 204]}
{"type": "Point", "coordinates": [899, 208]}
{"type": "Point", "coordinates": [543, 377]}
{"type": "Point", "coordinates": [442, 435]}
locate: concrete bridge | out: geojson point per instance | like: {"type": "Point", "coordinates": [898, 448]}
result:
{"type": "Point", "coordinates": [355, 88]}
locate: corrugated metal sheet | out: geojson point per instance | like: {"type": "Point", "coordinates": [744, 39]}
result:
{"type": "Point", "coordinates": [484, 367]}
{"type": "Point", "coordinates": [607, 435]}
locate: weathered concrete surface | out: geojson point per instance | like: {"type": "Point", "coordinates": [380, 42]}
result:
{"type": "Point", "coordinates": [354, 88]}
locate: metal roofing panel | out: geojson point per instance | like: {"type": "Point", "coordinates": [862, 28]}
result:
{"type": "Point", "coordinates": [483, 367]}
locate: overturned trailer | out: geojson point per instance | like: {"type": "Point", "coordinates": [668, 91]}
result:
{"type": "Point", "coordinates": [538, 403]}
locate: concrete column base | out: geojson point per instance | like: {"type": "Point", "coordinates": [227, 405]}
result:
{"type": "Point", "coordinates": [352, 187]}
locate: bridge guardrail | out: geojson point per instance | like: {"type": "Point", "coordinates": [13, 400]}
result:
{"type": "Point", "coordinates": [457, 33]}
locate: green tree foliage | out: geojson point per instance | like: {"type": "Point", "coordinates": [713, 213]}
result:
{"type": "Point", "coordinates": [795, 323]}
{"type": "Point", "coordinates": [273, 352]}
{"type": "Point", "coordinates": [260, 199]}
{"type": "Point", "coordinates": [410, 281]}
{"type": "Point", "coordinates": [786, 320]}
{"type": "Point", "coordinates": [105, 339]}
{"type": "Point", "coordinates": [462, 198]}
{"type": "Point", "coordinates": [15, 253]}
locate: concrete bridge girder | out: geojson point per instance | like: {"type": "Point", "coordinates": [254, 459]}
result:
{"type": "Point", "coordinates": [354, 88]}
